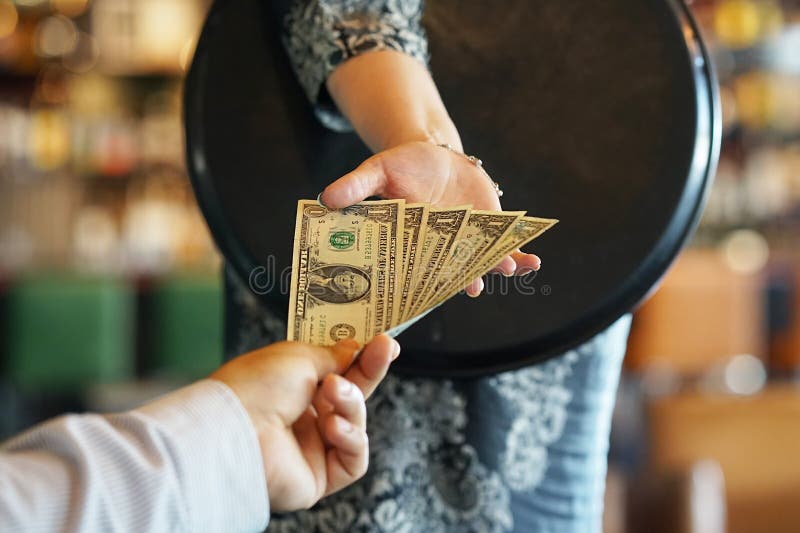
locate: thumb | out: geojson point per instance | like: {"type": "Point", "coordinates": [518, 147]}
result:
{"type": "Point", "coordinates": [328, 359]}
{"type": "Point", "coordinates": [368, 179]}
{"type": "Point", "coordinates": [308, 365]}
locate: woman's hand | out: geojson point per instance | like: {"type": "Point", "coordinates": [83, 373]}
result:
{"type": "Point", "coordinates": [312, 436]}
{"type": "Point", "coordinates": [424, 172]}
{"type": "Point", "coordinates": [395, 107]}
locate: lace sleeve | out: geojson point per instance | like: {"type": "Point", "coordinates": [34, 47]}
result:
{"type": "Point", "coordinates": [321, 34]}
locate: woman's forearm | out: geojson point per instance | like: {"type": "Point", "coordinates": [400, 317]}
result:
{"type": "Point", "coordinates": [390, 99]}
{"type": "Point", "coordinates": [393, 104]}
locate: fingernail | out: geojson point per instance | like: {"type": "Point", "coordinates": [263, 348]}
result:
{"type": "Point", "coordinates": [344, 425]}
{"type": "Point", "coordinates": [395, 350]}
{"type": "Point", "coordinates": [320, 202]}
{"type": "Point", "coordinates": [509, 273]}
{"type": "Point", "coordinates": [345, 387]}
{"type": "Point", "coordinates": [478, 292]}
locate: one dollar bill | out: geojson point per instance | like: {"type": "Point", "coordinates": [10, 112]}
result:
{"type": "Point", "coordinates": [378, 267]}
{"type": "Point", "coordinates": [345, 269]}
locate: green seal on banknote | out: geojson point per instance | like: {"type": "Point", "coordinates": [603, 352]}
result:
{"type": "Point", "coordinates": [342, 240]}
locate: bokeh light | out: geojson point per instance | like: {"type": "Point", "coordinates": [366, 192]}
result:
{"type": "Point", "coordinates": [8, 18]}
{"type": "Point", "coordinates": [736, 23]}
{"type": "Point", "coordinates": [745, 374]}
{"type": "Point", "coordinates": [745, 251]}
{"type": "Point", "coordinates": [55, 36]}
{"type": "Point", "coordinates": [742, 23]}
{"type": "Point", "coordinates": [49, 139]}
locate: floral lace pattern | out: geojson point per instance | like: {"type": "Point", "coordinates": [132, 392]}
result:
{"type": "Point", "coordinates": [539, 398]}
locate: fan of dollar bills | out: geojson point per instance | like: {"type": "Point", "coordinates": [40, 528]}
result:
{"type": "Point", "coordinates": [380, 266]}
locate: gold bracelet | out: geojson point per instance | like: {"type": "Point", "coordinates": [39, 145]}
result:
{"type": "Point", "coordinates": [478, 163]}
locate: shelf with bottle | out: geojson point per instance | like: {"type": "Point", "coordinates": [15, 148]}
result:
{"type": "Point", "coordinates": [757, 187]}
{"type": "Point", "coordinates": [92, 126]}
{"type": "Point", "coordinates": [126, 38]}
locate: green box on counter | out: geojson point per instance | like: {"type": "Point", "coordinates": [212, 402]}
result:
{"type": "Point", "coordinates": [187, 326]}
{"type": "Point", "coordinates": [68, 331]}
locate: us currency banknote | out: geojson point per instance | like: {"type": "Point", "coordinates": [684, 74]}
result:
{"type": "Point", "coordinates": [414, 230]}
{"type": "Point", "coordinates": [523, 231]}
{"type": "Point", "coordinates": [483, 231]}
{"type": "Point", "coordinates": [344, 271]}
{"type": "Point", "coordinates": [443, 229]}
{"type": "Point", "coordinates": [381, 266]}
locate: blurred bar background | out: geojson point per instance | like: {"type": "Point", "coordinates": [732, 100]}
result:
{"type": "Point", "coordinates": [110, 290]}
{"type": "Point", "coordinates": [109, 280]}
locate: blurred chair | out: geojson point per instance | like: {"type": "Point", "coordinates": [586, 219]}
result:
{"type": "Point", "coordinates": [65, 332]}
{"type": "Point", "coordinates": [186, 327]}
{"type": "Point", "coordinates": [754, 439]}
{"type": "Point", "coordinates": [703, 313]}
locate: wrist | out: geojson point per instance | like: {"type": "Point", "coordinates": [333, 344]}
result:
{"type": "Point", "coordinates": [438, 130]}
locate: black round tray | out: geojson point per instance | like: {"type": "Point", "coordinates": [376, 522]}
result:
{"type": "Point", "coordinates": [602, 114]}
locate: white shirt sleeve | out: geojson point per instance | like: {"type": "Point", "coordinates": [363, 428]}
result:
{"type": "Point", "coordinates": [189, 461]}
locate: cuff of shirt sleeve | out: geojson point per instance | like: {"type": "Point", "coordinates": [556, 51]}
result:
{"type": "Point", "coordinates": [218, 456]}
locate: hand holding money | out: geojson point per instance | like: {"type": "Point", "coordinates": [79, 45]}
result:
{"type": "Point", "coordinates": [306, 404]}
{"type": "Point", "coordinates": [379, 266]}
{"type": "Point", "coordinates": [427, 173]}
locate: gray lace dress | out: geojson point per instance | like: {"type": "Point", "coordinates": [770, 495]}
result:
{"type": "Point", "coordinates": [519, 451]}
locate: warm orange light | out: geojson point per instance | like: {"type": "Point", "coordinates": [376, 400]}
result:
{"type": "Point", "coordinates": [742, 23]}
{"type": "Point", "coordinates": [185, 56]}
{"type": "Point", "coordinates": [737, 23]}
{"type": "Point", "coordinates": [165, 29]}
{"type": "Point", "coordinates": [48, 139]}
{"type": "Point", "coordinates": [8, 18]}
{"type": "Point", "coordinates": [755, 99]}
{"type": "Point", "coordinates": [765, 99]}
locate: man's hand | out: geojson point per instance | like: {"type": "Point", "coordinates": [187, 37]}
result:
{"type": "Point", "coordinates": [424, 172]}
{"type": "Point", "coordinates": [313, 436]}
